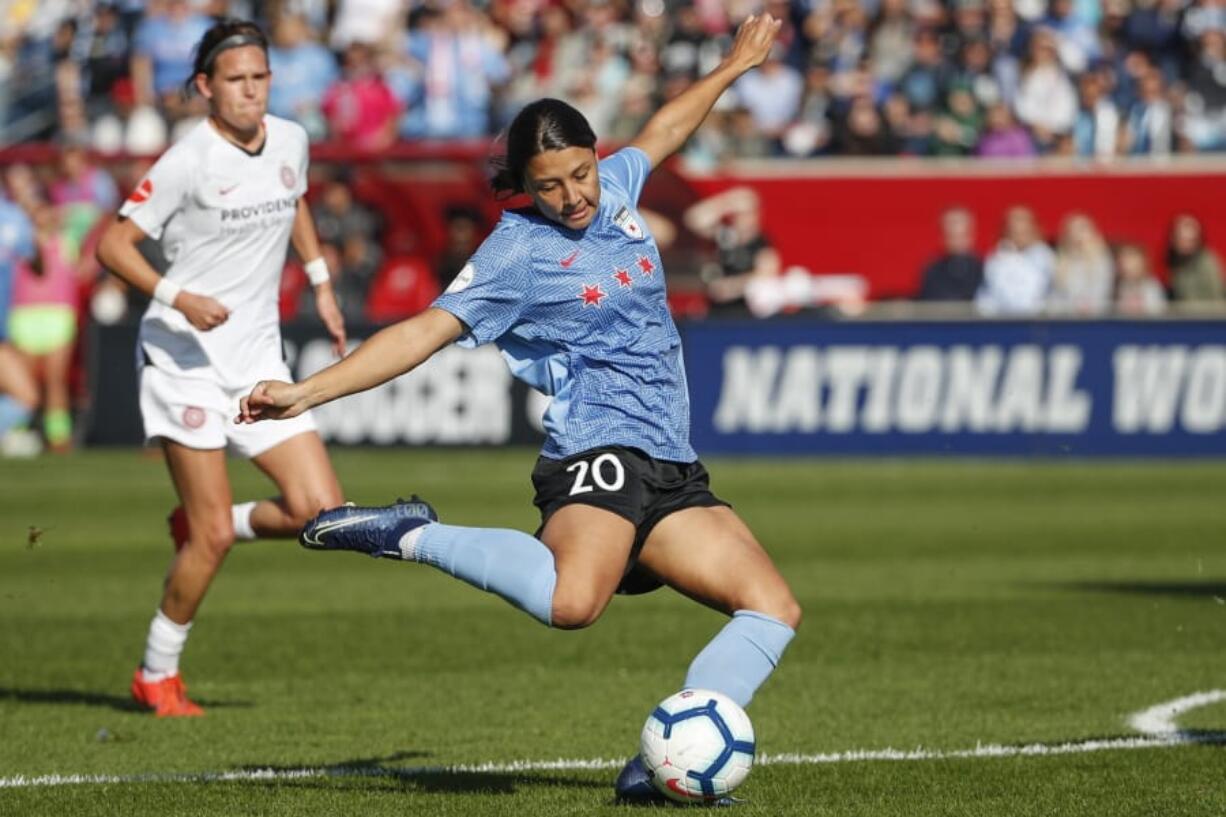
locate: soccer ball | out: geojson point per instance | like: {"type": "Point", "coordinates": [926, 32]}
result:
{"type": "Point", "coordinates": [697, 745]}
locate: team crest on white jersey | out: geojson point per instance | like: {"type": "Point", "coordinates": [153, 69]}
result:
{"type": "Point", "coordinates": [628, 224]}
{"type": "Point", "coordinates": [288, 177]}
{"type": "Point", "coordinates": [463, 279]}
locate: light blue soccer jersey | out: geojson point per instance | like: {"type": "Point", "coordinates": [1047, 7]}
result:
{"type": "Point", "coordinates": [581, 315]}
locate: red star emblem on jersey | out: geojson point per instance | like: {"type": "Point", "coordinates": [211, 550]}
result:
{"type": "Point", "coordinates": [645, 265]}
{"type": "Point", "coordinates": [592, 295]}
{"type": "Point", "coordinates": [623, 277]}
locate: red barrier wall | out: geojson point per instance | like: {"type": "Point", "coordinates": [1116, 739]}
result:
{"type": "Point", "coordinates": [876, 218]}
{"type": "Point", "coordinates": [881, 219]}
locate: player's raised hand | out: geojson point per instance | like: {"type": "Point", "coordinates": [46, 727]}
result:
{"type": "Point", "coordinates": [753, 41]}
{"type": "Point", "coordinates": [271, 400]}
{"type": "Point", "coordinates": [330, 314]}
{"type": "Point", "coordinates": [201, 311]}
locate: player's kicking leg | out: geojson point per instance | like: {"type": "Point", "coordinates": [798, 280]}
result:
{"type": "Point", "coordinates": [710, 555]}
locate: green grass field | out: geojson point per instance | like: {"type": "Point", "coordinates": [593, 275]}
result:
{"type": "Point", "coordinates": [948, 605]}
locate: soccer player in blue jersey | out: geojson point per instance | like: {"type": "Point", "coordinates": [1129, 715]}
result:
{"type": "Point", "coordinates": [571, 291]}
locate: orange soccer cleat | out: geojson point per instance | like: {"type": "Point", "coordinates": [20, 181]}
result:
{"type": "Point", "coordinates": [167, 697]}
{"type": "Point", "coordinates": [179, 531]}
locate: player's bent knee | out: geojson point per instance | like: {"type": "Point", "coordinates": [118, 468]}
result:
{"type": "Point", "coordinates": [305, 509]}
{"type": "Point", "coordinates": [576, 612]}
{"type": "Point", "coordinates": [780, 606]}
{"type": "Point", "coordinates": [214, 538]}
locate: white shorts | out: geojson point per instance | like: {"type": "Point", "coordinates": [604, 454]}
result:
{"type": "Point", "coordinates": [200, 414]}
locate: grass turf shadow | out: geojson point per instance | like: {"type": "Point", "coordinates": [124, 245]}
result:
{"type": "Point", "coordinates": [80, 697]}
{"type": "Point", "coordinates": [426, 779]}
{"type": "Point", "coordinates": [1205, 589]}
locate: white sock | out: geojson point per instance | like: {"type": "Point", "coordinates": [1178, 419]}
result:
{"type": "Point", "coordinates": [163, 647]}
{"type": "Point", "coordinates": [240, 516]}
{"type": "Point", "coordinates": [408, 543]}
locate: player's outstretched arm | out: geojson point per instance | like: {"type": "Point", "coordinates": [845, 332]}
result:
{"type": "Point", "coordinates": [389, 353]}
{"type": "Point", "coordinates": [673, 124]}
{"type": "Point", "coordinates": [117, 252]}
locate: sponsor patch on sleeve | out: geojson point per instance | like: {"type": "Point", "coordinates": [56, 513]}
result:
{"type": "Point", "coordinates": [627, 223]}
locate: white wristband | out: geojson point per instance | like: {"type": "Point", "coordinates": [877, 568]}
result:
{"type": "Point", "coordinates": [317, 271]}
{"type": "Point", "coordinates": [166, 291]}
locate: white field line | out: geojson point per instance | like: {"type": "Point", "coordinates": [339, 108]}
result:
{"type": "Point", "coordinates": [1153, 721]}
{"type": "Point", "coordinates": [1160, 719]}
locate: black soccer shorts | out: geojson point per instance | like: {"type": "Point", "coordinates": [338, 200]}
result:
{"type": "Point", "coordinates": [631, 484]}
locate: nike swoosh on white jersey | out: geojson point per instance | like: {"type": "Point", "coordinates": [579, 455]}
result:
{"type": "Point", "coordinates": [328, 528]}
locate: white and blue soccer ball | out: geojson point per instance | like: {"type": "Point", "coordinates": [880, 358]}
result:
{"type": "Point", "coordinates": [698, 746]}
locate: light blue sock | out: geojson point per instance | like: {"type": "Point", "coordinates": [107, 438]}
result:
{"type": "Point", "coordinates": [12, 413]}
{"type": "Point", "coordinates": [509, 563]}
{"type": "Point", "coordinates": [741, 656]}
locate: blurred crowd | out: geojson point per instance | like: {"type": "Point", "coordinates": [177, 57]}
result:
{"type": "Point", "coordinates": [999, 78]}
{"type": "Point", "coordinates": [1080, 274]}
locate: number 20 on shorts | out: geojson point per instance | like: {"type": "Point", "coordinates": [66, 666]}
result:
{"type": "Point", "coordinates": [595, 469]}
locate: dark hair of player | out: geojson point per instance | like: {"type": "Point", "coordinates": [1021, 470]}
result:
{"type": "Point", "coordinates": [222, 36]}
{"type": "Point", "coordinates": [547, 124]}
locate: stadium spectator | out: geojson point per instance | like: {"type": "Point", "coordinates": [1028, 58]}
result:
{"type": "Point", "coordinates": [1074, 34]}
{"type": "Point", "coordinates": [43, 322]}
{"type": "Point", "coordinates": [18, 391]}
{"type": "Point", "coordinates": [733, 221]}
{"type": "Point", "coordinates": [1097, 130]}
{"type": "Point", "coordinates": [360, 108]}
{"type": "Point", "coordinates": [464, 231]}
{"type": "Point", "coordinates": [339, 215]}
{"type": "Point", "coordinates": [359, 258]}
{"type": "Point", "coordinates": [162, 51]}
{"type": "Point", "coordinates": [107, 48]}
{"type": "Point", "coordinates": [1137, 292]}
{"type": "Point", "coordinates": [368, 22]}
{"type": "Point", "coordinates": [923, 83]}
{"type": "Point", "coordinates": [1152, 27]}
{"type": "Point", "coordinates": [461, 66]}
{"type": "Point", "coordinates": [891, 40]}
{"type": "Point", "coordinates": [1196, 271]}
{"type": "Point", "coordinates": [1150, 127]}
{"type": "Point", "coordinates": [1084, 277]}
{"type": "Point", "coordinates": [304, 69]}
{"type": "Point", "coordinates": [771, 94]}
{"type": "Point", "coordinates": [957, 128]}
{"type": "Point", "coordinates": [1046, 99]}
{"type": "Point", "coordinates": [1017, 275]}
{"type": "Point", "coordinates": [957, 273]}
{"type": "Point", "coordinates": [863, 131]}
{"type": "Point", "coordinates": [1002, 137]}
{"type": "Point", "coordinates": [82, 192]}
{"type": "Point", "coordinates": [1204, 116]}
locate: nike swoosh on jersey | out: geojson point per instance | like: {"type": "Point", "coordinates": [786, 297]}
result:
{"type": "Point", "coordinates": [343, 523]}
{"type": "Point", "coordinates": [568, 260]}
{"type": "Point", "coordinates": [225, 191]}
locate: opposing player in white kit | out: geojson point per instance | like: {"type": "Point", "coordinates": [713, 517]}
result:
{"type": "Point", "coordinates": [225, 202]}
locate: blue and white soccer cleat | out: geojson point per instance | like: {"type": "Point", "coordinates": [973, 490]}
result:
{"type": "Point", "coordinates": [375, 531]}
{"type": "Point", "coordinates": [634, 788]}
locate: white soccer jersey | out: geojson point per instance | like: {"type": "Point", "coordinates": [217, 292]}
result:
{"type": "Point", "coordinates": [224, 218]}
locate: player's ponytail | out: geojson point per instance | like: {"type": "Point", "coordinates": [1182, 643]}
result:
{"type": "Point", "coordinates": [547, 124]}
{"type": "Point", "coordinates": [222, 36]}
